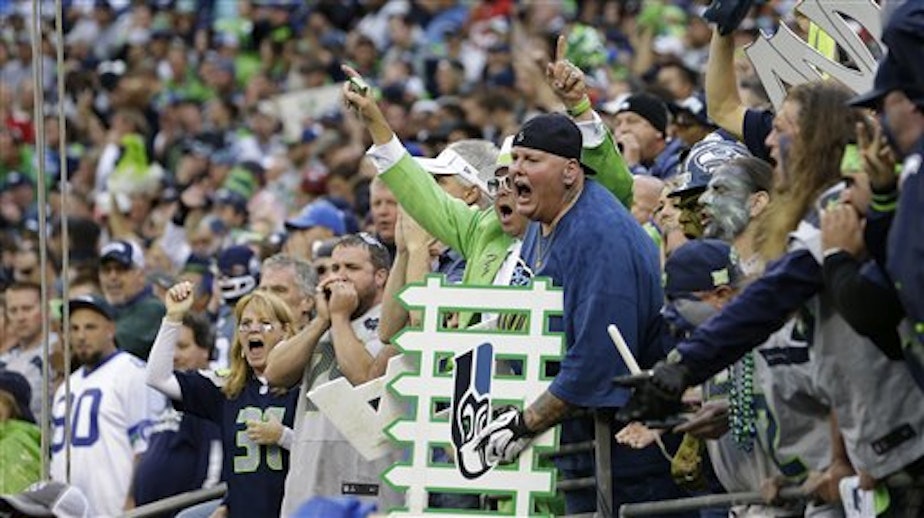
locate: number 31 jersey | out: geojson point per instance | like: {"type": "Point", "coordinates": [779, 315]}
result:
{"type": "Point", "coordinates": [110, 415]}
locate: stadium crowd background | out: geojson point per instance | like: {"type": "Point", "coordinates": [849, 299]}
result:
{"type": "Point", "coordinates": [180, 168]}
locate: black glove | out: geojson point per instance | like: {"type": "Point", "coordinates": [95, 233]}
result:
{"type": "Point", "coordinates": [656, 396]}
{"type": "Point", "coordinates": [727, 14]}
{"type": "Point", "coordinates": [505, 436]}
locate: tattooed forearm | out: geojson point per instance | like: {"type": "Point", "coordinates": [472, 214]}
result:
{"type": "Point", "coordinates": [546, 412]}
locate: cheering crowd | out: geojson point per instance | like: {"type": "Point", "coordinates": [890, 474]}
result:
{"type": "Point", "coordinates": [226, 257]}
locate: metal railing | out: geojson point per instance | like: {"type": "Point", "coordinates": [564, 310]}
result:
{"type": "Point", "coordinates": [177, 502]}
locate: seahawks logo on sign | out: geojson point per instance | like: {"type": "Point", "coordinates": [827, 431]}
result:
{"type": "Point", "coordinates": [471, 408]}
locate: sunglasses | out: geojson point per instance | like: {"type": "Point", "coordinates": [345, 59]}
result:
{"type": "Point", "coordinates": [499, 183]}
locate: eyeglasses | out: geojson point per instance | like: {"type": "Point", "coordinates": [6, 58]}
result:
{"type": "Point", "coordinates": [499, 183]}
{"type": "Point", "coordinates": [259, 327]}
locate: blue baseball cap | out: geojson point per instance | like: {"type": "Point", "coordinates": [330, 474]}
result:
{"type": "Point", "coordinates": [700, 265]}
{"type": "Point", "coordinates": [704, 158]}
{"type": "Point", "coordinates": [319, 213]}
{"type": "Point", "coordinates": [16, 179]}
{"type": "Point", "coordinates": [233, 198]}
{"type": "Point", "coordinates": [126, 253]}
{"type": "Point", "coordinates": [889, 77]}
{"type": "Point", "coordinates": [695, 105]}
{"type": "Point", "coordinates": [17, 386]}
{"type": "Point", "coordinates": [95, 302]}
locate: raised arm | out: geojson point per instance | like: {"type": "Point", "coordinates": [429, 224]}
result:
{"type": "Point", "coordinates": [159, 374]}
{"type": "Point", "coordinates": [723, 102]}
{"type": "Point", "coordinates": [446, 218]}
{"type": "Point", "coordinates": [600, 151]}
{"type": "Point", "coordinates": [287, 361]}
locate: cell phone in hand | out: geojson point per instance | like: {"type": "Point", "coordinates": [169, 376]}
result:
{"type": "Point", "coordinates": [359, 86]}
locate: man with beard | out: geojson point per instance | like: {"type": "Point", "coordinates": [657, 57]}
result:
{"type": "Point", "coordinates": [737, 193]}
{"type": "Point", "coordinates": [341, 340]}
{"type": "Point", "coordinates": [110, 411]}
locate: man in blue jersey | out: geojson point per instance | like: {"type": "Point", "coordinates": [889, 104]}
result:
{"type": "Point", "coordinates": [589, 244]}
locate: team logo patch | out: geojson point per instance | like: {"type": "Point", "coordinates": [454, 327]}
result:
{"type": "Point", "coordinates": [471, 407]}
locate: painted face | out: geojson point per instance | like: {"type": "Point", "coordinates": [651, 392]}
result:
{"type": "Point", "coordinates": [538, 184]}
{"type": "Point", "coordinates": [785, 129]}
{"type": "Point", "coordinates": [725, 205]}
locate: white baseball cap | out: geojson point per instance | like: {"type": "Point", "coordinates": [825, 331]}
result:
{"type": "Point", "coordinates": [450, 163]}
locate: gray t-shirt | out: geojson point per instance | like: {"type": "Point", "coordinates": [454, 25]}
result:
{"type": "Point", "coordinates": [322, 461]}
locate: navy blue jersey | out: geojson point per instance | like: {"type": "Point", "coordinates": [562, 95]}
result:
{"type": "Point", "coordinates": [751, 317]}
{"type": "Point", "coordinates": [905, 258]}
{"type": "Point", "coordinates": [255, 474]}
{"type": "Point", "coordinates": [180, 457]}
{"type": "Point", "coordinates": [757, 125]}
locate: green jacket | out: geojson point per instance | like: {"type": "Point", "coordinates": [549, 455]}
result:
{"type": "Point", "coordinates": [477, 234]}
{"type": "Point", "coordinates": [20, 455]}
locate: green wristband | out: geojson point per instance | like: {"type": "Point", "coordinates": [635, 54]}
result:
{"type": "Point", "coordinates": [580, 108]}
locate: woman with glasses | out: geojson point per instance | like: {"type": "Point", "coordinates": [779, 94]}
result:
{"type": "Point", "coordinates": [255, 421]}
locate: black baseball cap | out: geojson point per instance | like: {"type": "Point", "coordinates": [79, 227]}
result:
{"type": "Point", "coordinates": [553, 133]}
{"type": "Point", "coordinates": [94, 302]}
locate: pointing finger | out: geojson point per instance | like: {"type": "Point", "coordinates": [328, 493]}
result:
{"type": "Point", "coordinates": [561, 48]}
{"type": "Point", "coordinates": [348, 70]}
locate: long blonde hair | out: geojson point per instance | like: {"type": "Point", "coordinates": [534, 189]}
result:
{"type": "Point", "coordinates": [268, 304]}
{"type": "Point", "coordinates": [826, 125]}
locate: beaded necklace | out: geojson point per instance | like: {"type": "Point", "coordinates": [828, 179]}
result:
{"type": "Point", "coordinates": [742, 417]}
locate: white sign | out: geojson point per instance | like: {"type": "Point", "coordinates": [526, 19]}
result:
{"type": "Point", "coordinates": [429, 387]}
{"type": "Point", "coordinates": [350, 408]}
{"type": "Point", "coordinates": [295, 109]}
{"type": "Point", "coordinates": [786, 59]}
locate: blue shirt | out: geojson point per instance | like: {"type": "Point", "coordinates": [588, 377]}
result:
{"type": "Point", "coordinates": [905, 252]}
{"type": "Point", "coordinates": [666, 165]}
{"type": "Point", "coordinates": [609, 269]}
{"type": "Point", "coordinates": [757, 125]}
{"type": "Point", "coordinates": [255, 474]}
{"type": "Point", "coordinates": [177, 458]}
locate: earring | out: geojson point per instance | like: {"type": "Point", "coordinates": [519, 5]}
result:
{"type": "Point", "coordinates": [243, 354]}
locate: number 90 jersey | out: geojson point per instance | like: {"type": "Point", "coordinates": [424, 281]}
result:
{"type": "Point", "coordinates": [111, 409]}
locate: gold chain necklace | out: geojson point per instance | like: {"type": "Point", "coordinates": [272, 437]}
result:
{"type": "Point", "coordinates": [541, 255]}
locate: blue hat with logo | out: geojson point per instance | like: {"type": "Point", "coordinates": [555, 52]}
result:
{"type": "Point", "coordinates": [700, 265]}
{"type": "Point", "coordinates": [703, 159]}
{"type": "Point", "coordinates": [93, 301]}
{"type": "Point", "coordinates": [319, 213]}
